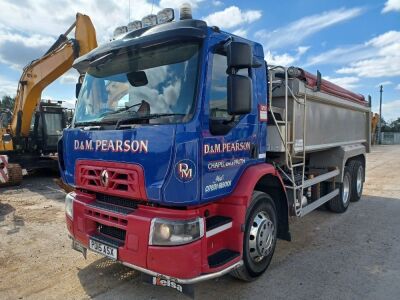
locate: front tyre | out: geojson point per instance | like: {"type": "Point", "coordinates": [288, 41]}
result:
{"type": "Point", "coordinates": [259, 237]}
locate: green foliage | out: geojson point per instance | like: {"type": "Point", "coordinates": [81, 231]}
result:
{"type": "Point", "coordinates": [393, 126]}
{"type": "Point", "coordinates": [7, 102]}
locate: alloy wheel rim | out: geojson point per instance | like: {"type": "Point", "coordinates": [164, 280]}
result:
{"type": "Point", "coordinates": [346, 190]}
{"type": "Point", "coordinates": [359, 180]}
{"type": "Point", "coordinates": [261, 237]}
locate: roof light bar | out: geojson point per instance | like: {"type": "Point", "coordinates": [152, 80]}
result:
{"type": "Point", "coordinates": [135, 25]}
{"type": "Point", "coordinates": [165, 15]}
{"type": "Point", "coordinates": [120, 30]}
{"type": "Point", "coordinates": [149, 20]}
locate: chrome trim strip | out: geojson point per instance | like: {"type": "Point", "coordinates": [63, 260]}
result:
{"type": "Point", "coordinates": [218, 229]}
{"type": "Point", "coordinates": [190, 280]}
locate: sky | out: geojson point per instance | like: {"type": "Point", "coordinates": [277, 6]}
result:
{"type": "Point", "coordinates": [354, 43]}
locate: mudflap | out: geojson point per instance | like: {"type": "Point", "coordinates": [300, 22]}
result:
{"type": "Point", "coordinates": [160, 280]}
{"type": "Point", "coordinates": [78, 247]}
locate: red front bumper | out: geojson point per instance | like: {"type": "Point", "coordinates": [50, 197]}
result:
{"type": "Point", "coordinates": [185, 261]}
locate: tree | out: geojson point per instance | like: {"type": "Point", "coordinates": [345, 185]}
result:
{"type": "Point", "coordinates": [395, 125]}
{"type": "Point", "coordinates": [7, 102]}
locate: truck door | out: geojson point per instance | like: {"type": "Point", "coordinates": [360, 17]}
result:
{"type": "Point", "coordinates": [229, 142]}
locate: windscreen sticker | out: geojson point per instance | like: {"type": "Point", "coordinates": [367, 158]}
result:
{"type": "Point", "coordinates": [133, 146]}
{"type": "Point", "coordinates": [263, 112]}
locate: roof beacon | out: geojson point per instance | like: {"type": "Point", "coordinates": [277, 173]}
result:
{"type": "Point", "coordinates": [185, 11]}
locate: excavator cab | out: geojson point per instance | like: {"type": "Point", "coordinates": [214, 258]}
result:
{"type": "Point", "coordinates": [5, 118]}
{"type": "Point", "coordinates": [47, 125]}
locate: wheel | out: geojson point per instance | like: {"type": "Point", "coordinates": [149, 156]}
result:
{"type": "Point", "coordinates": [341, 202]}
{"type": "Point", "coordinates": [259, 238]}
{"type": "Point", "coordinates": [14, 175]}
{"type": "Point", "coordinates": [357, 175]}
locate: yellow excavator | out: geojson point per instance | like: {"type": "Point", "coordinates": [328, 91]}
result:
{"type": "Point", "coordinates": [29, 134]}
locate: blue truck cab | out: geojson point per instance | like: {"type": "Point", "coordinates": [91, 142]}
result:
{"type": "Point", "coordinates": [166, 148]}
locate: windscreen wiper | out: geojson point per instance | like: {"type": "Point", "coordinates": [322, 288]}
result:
{"type": "Point", "coordinates": [145, 117]}
{"type": "Point", "coordinates": [126, 108]}
{"type": "Point", "coordinates": [93, 123]}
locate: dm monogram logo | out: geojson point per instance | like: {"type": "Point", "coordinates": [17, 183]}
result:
{"type": "Point", "coordinates": [185, 170]}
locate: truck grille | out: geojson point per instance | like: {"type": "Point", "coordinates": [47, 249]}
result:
{"type": "Point", "coordinates": [127, 203]}
{"type": "Point", "coordinates": [115, 179]}
{"type": "Point", "coordinates": [113, 232]}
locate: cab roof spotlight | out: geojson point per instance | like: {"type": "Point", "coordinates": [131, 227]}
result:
{"type": "Point", "coordinates": [119, 31]}
{"type": "Point", "coordinates": [134, 25]}
{"type": "Point", "coordinates": [149, 20]}
{"type": "Point", "coordinates": [165, 15]}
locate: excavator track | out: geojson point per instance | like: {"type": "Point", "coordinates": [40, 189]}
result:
{"type": "Point", "coordinates": [14, 175]}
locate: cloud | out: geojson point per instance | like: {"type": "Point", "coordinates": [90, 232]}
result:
{"type": "Point", "coordinates": [381, 59]}
{"type": "Point", "coordinates": [294, 33]}
{"type": "Point", "coordinates": [285, 59]}
{"type": "Point", "coordinates": [177, 3]}
{"type": "Point", "coordinates": [217, 3]}
{"type": "Point", "coordinates": [29, 28]}
{"type": "Point", "coordinates": [345, 82]}
{"type": "Point", "coordinates": [7, 87]}
{"type": "Point", "coordinates": [340, 55]}
{"type": "Point", "coordinates": [397, 87]}
{"type": "Point", "coordinates": [390, 110]}
{"type": "Point", "coordinates": [377, 57]}
{"type": "Point", "coordinates": [240, 32]}
{"type": "Point", "coordinates": [387, 82]}
{"type": "Point", "coordinates": [17, 49]}
{"type": "Point", "coordinates": [391, 5]}
{"type": "Point", "coordinates": [232, 16]}
{"type": "Point", "coordinates": [71, 77]}
{"type": "Point", "coordinates": [39, 17]}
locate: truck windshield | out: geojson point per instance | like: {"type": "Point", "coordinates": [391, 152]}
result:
{"type": "Point", "coordinates": [147, 85]}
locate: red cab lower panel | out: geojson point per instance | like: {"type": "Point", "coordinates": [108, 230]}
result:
{"type": "Point", "coordinates": [184, 261]}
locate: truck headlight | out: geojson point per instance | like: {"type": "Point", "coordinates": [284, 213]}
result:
{"type": "Point", "coordinates": [171, 233]}
{"type": "Point", "coordinates": [69, 202]}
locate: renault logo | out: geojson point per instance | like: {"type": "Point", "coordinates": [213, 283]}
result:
{"type": "Point", "coordinates": [104, 178]}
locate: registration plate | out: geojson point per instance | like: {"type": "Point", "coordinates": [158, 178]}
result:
{"type": "Point", "coordinates": [103, 249]}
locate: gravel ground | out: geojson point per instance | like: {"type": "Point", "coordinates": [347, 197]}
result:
{"type": "Point", "coordinates": [348, 256]}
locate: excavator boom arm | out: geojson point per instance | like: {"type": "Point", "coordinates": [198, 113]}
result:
{"type": "Point", "coordinates": [42, 72]}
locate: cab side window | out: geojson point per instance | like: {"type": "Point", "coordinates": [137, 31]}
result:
{"type": "Point", "coordinates": [219, 119]}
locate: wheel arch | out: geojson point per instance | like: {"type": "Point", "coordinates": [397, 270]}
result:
{"type": "Point", "coordinates": [265, 178]}
{"type": "Point", "coordinates": [360, 157]}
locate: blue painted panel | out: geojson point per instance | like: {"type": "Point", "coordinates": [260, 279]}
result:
{"type": "Point", "coordinates": [80, 144]}
{"type": "Point", "coordinates": [184, 163]}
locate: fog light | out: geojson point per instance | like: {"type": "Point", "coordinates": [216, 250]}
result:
{"type": "Point", "coordinates": [69, 204]}
{"type": "Point", "coordinates": [170, 233]}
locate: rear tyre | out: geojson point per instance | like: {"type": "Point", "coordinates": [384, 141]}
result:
{"type": "Point", "coordinates": [358, 176]}
{"type": "Point", "coordinates": [341, 202]}
{"type": "Point", "coordinates": [259, 237]}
